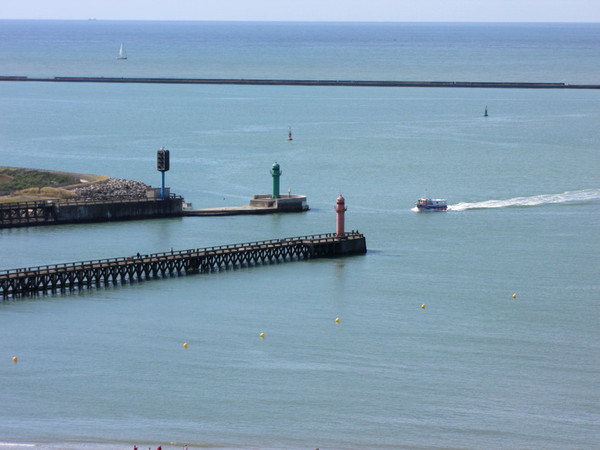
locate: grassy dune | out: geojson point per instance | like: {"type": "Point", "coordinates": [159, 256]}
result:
{"type": "Point", "coordinates": [20, 185]}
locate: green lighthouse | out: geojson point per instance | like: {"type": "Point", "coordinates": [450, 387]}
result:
{"type": "Point", "coordinates": [276, 173]}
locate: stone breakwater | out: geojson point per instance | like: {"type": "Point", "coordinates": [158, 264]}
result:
{"type": "Point", "coordinates": [279, 82]}
{"type": "Point", "coordinates": [112, 189]}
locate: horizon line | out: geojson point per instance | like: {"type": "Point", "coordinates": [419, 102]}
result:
{"type": "Point", "coordinates": [94, 19]}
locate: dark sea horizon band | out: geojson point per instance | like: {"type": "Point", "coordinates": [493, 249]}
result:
{"type": "Point", "coordinates": [306, 82]}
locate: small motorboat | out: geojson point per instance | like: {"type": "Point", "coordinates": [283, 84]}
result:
{"type": "Point", "coordinates": [431, 204]}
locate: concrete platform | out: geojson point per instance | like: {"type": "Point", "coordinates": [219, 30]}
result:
{"type": "Point", "coordinates": [260, 204]}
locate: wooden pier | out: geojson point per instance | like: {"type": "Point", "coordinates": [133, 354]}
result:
{"type": "Point", "coordinates": [105, 272]}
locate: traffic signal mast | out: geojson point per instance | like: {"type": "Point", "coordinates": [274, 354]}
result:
{"type": "Point", "coordinates": [162, 165]}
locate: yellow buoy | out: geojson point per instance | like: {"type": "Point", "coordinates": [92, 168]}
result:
{"type": "Point", "coordinates": [423, 306]}
{"type": "Point", "coordinates": [185, 345]}
{"type": "Point", "coordinates": [514, 295]}
{"type": "Point", "coordinates": [337, 320]}
{"type": "Point", "coordinates": [15, 359]}
{"type": "Point", "coordinates": [262, 335]}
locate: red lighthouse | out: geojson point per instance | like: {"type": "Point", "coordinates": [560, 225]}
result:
{"type": "Point", "coordinates": [340, 209]}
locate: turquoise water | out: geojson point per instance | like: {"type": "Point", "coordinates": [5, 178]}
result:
{"type": "Point", "coordinates": [475, 368]}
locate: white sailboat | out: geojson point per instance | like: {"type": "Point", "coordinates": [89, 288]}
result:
{"type": "Point", "coordinates": [122, 54]}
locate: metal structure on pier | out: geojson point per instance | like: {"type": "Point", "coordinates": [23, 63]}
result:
{"type": "Point", "coordinates": [27, 213]}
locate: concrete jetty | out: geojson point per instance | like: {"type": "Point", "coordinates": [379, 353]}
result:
{"type": "Point", "coordinates": [292, 82]}
{"type": "Point", "coordinates": [260, 204]}
{"type": "Point", "coordinates": [49, 212]}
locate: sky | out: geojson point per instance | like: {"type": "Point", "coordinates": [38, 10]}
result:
{"type": "Point", "coordinates": [308, 10]}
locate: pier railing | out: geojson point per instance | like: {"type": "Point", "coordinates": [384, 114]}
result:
{"type": "Point", "coordinates": [103, 272]}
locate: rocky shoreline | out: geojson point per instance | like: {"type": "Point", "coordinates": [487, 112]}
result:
{"type": "Point", "coordinates": [112, 189]}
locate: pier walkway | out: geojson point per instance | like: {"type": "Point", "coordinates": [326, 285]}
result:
{"type": "Point", "coordinates": [105, 272]}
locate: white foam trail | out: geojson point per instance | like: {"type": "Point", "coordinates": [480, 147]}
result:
{"type": "Point", "coordinates": [585, 195]}
{"type": "Point", "coordinates": [8, 444]}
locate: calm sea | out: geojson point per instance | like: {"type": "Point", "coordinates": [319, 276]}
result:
{"type": "Point", "coordinates": [475, 368]}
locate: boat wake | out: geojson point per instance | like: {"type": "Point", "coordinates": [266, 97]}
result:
{"type": "Point", "coordinates": [585, 195]}
{"type": "Point", "coordinates": [12, 445]}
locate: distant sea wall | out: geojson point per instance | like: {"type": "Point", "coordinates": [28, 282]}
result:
{"type": "Point", "coordinates": [279, 82]}
{"type": "Point", "coordinates": [123, 210]}
{"type": "Point", "coordinates": [54, 213]}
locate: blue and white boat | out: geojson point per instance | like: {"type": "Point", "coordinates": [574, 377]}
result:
{"type": "Point", "coordinates": [431, 204]}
